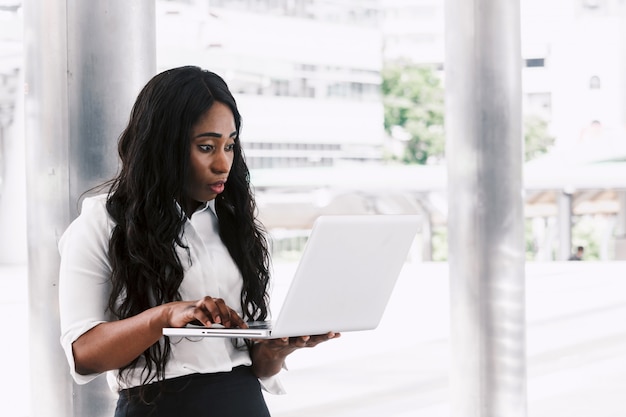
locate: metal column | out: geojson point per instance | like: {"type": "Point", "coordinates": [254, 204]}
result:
{"type": "Point", "coordinates": [565, 225]}
{"type": "Point", "coordinates": [427, 228]}
{"type": "Point", "coordinates": [85, 63]}
{"type": "Point", "coordinates": [619, 235]}
{"type": "Point", "coordinates": [485, 219]}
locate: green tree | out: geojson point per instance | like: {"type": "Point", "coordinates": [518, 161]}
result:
{"type": "Point", "coordinates": [413, 98]}
{"type": "Point", "coordinates": [537, 140]}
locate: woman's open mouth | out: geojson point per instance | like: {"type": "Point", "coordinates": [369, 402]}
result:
{"type": "Point", "coordinates": [217, 187]}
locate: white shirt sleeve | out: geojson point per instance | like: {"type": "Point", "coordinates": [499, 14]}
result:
{"type": "Point", "coordinates": [273, 385]}
{"type": "Point", "coordinates": [84, 285]}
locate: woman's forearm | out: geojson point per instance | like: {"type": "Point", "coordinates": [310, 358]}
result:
{"type": "Point", "coordinates": [114, 344]}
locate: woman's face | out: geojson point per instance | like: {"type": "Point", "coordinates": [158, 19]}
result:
{"type": "Point", "coordinates": [211, 156]}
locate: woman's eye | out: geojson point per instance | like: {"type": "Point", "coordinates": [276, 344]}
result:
{"type": "Point", "coordinates": [230, 147]}
{"type": "Point", "coordinates": [206, 148]}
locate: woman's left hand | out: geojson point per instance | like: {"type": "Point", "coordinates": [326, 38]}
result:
{"type": "Point", "coordinates": [291, 344]}
{"type": "Point", "coordinates": [268, 355]}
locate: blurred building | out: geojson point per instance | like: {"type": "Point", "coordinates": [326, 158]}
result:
{"type": "Point", "coordinates": [573, 78]}
{"type": "Point", "coordinates": [10, 61]}
{"type": "Point", "coordinates": [306, 74]}
{"type": "Point", "coordinates": [413, 31]}
{"type": "Point", "coordinates": [12, 147]}
{"type": "Point", "coordinates": [573, 55]}
{"type": "Point", "coordinates": [315, 64]}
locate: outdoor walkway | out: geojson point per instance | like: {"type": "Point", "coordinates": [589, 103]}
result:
{"type": "Point", "coordinates": [576, 346]}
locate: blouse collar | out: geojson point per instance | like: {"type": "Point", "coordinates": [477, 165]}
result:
{"type": "Point", "coordinates": [209, 205]}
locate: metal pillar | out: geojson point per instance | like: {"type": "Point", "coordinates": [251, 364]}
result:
{"type": "Point", "coordinates": [85, 63]}
{"type": "Point", "coordinates": [427, 237]}
{"type": "Point", "coordinates": [485, 218]}
{"type": "Point", "coordinates": [427, 228]}
{"type": "Point", "coordinates": [565, 225]}
{"type": "Point", "coordinates": [620, 221]}
{"type": "Point", "coordinates": [619, 235]}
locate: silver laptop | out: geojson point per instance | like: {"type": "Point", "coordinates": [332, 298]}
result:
{"type": "Point", "coordinates": [343, 281]}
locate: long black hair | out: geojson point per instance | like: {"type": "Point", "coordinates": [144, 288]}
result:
{"type": "Point", "coordinates": [154, 150]}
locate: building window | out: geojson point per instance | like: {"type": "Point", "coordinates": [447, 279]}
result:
{"type": "Point", "coordinates": [535, 62]}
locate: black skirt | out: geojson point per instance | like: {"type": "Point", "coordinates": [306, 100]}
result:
{"type": "Point", "coordinates": [224, 394]}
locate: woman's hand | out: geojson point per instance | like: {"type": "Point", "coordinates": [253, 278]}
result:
{"type": "Point", "coordinates": [268, 355]}
{"type": "Point", "coordinates": [206, 312]}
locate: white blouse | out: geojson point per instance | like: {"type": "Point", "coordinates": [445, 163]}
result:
{"type": "Point", "coordinates": [84, 288]}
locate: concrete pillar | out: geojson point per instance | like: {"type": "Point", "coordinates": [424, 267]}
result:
{"type": "Point", "coordinates": [619, 235]}
{"type": "Point", "coordinates": [85, 63]}
{"type": "Point", "coordinates": [565, 225]}
{"type": "Point", "coordinates": [485, 216]}
{"type": "Point", "coordinates": [427, 228]}
{"type": "Point", "coordinates": [427, 237]}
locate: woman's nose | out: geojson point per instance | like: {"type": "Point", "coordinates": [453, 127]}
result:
{"type": "Point", "coordinates": [221, 163]}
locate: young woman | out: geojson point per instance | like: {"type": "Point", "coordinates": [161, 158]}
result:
{"type": "Point", "coordinates": [174, 241]}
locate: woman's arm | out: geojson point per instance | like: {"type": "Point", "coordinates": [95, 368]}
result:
{"type": "Point", "coordinates": [112, 345]}
{"type": "Point", "coordinates": [268, 356]}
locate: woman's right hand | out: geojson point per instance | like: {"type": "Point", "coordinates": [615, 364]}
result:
{"type": "Point", "coordinates": [114, 344]}
{"type": "Point", "coordinates": [206, 311]}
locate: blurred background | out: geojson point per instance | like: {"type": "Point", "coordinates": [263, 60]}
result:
{"type": "Point", "coordinates": [356, 97]}
{"type": "Point", "coordinates": [343, 112]}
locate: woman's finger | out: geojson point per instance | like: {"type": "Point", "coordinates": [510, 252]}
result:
{"type": "Point", "coordinates": [211, 310]}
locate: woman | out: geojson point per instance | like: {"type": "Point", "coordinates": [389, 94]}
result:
{"type": "Point", "coordinates": [174, 241]}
